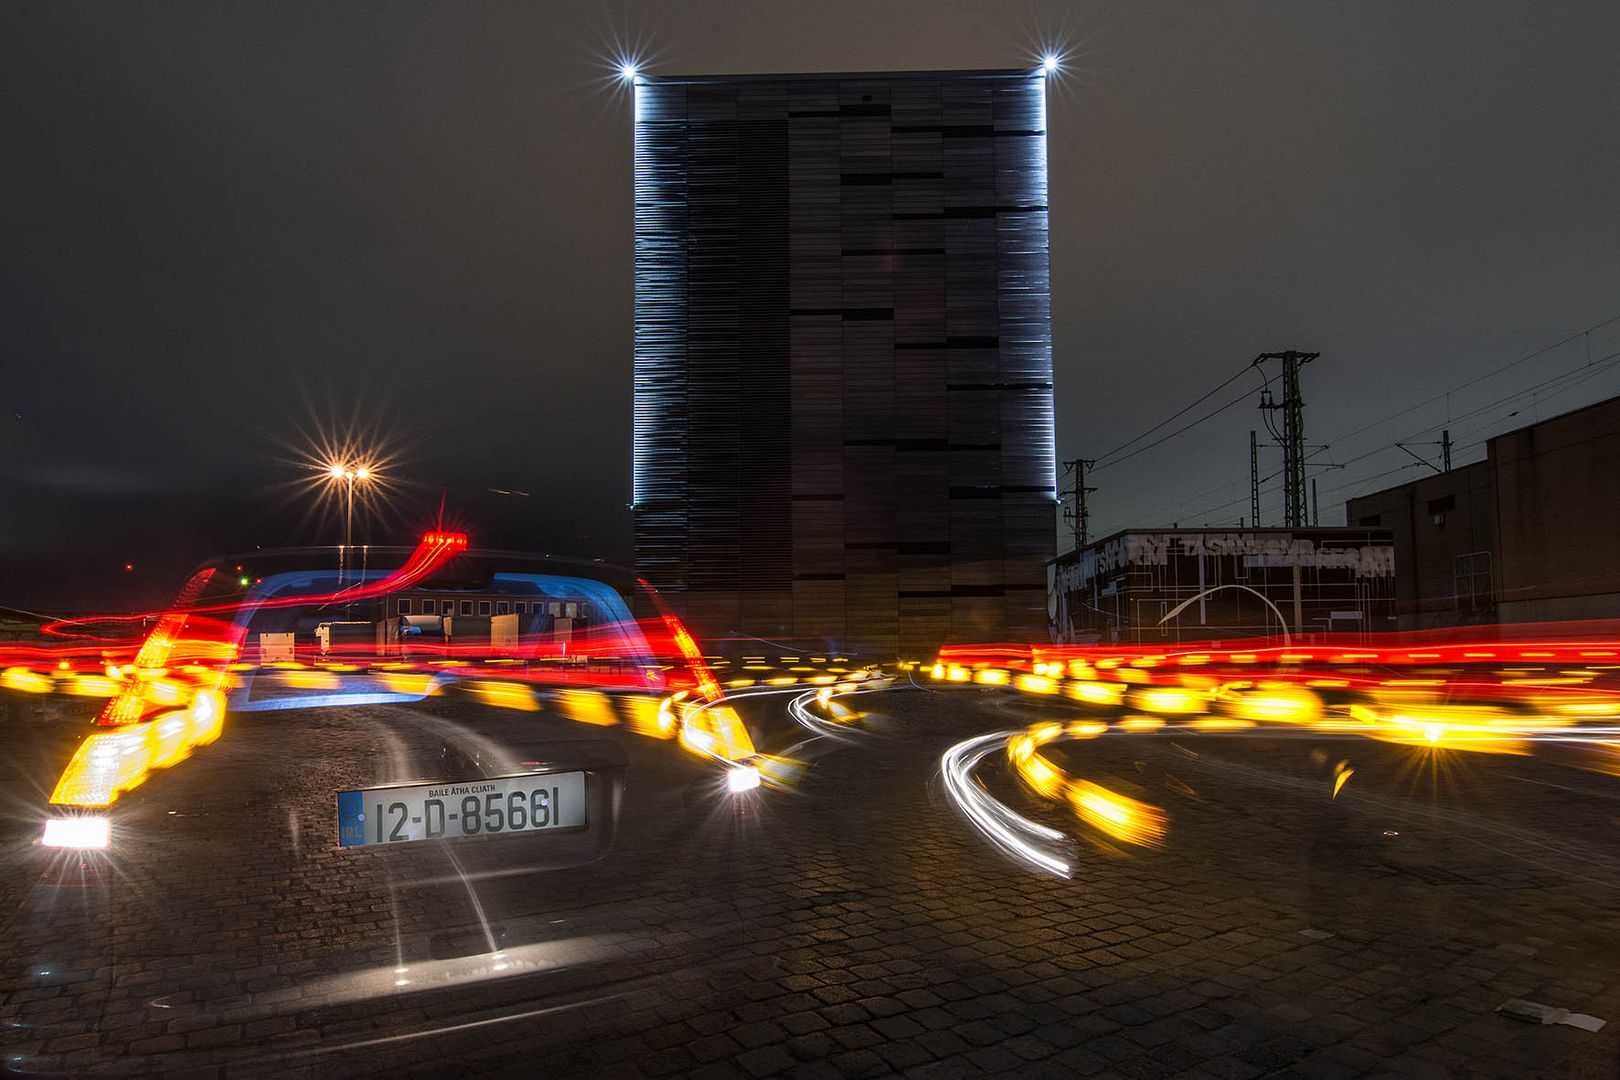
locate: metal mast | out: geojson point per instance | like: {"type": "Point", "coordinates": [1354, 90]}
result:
{"type": "Point", "coordinates": [1292, 435]}
{"type": "Point", "coordinates": [1254, 482]}
{"type": "Point", "coordinates": [1075, 513]}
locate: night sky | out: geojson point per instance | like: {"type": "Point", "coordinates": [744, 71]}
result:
{"type": "Point", "coordinates": [233, 231]}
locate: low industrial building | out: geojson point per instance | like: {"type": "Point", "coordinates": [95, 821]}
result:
{"type": "Point", "coordinates": [1163, 586]}
{"type": "Point", "coordinates": [1530, 534]}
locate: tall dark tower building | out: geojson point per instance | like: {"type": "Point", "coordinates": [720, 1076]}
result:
{"type": "Point", "coordinates": [843, 354]}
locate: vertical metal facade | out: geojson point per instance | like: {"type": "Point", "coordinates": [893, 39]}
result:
{"type": "Point", "coordinates": [843, 357]}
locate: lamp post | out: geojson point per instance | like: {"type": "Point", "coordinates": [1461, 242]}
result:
{"type": "Point", "coordinates": [349, 475]}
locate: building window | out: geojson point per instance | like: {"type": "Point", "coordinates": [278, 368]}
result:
{"type": "Point", "coordinates": [1371, 521]}
{"type": "Point", "coordinates": [466, 607]}
{"type": "Point", "coordinates": [403, 607]}
{"type": "Point", "coordinates": [483, 607]}
{"type": "Point", "coordinates": [521, 608]}
{"type": "Point", "coordinates": [502, 607]}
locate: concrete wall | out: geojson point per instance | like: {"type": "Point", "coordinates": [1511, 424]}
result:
{"type": "Point", "coordinates": [1545, 503]}
{"type": "Point", "coordinates": [1435, 521]}
{"type": "Point", "coordinates": [1558, 516]}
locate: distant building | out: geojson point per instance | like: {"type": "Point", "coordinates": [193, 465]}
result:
{"type": "Point", "coordinates": [1161, 586]}
{"type": "Point", "coordinates": [484, 605]}
{"type": "Point", "coordinates": [843, 357]}
{"type": "Point", "coordinates": [540, 609]}
{"type": "Point", "coordinates": [1444, 529]}
{"type": "Point", "coordinates": [1530, 534]}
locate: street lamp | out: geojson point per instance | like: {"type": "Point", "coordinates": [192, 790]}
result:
{"type": "Point", "coordinates": [348, 475]}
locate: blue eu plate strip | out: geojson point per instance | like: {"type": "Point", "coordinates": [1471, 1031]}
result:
{"type": "Point", "coordinates": [351, 818]}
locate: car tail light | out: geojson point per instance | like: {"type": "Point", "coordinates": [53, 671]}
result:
{"type": "Point", "coordinates": [106, 764]}
{"type": "Point", "coordinates": [113, 761]}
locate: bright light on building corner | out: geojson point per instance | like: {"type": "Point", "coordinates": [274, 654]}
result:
{"type": "Point", "coordinates": [627, 71]}
{"type": "Point", "coordinates": [1051, 65]}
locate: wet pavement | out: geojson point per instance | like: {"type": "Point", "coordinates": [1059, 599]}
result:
{"type": "Point", "coordinates": [853, 926]}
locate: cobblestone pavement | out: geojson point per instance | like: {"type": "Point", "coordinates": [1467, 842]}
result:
{"type": "Point", "coordinates": [853, 927]}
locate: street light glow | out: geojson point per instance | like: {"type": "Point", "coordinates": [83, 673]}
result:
{"type": "Point", "coordinates": [340, 470]}
{"type": "Point", "coordinates": [627, 71]}
{"type": "Point", "coordinates": [1049, 63]}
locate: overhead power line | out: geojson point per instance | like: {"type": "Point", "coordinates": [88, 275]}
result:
{"type": "Point", "coordinates": [1591, 368]}
{"type": "Point", "coordinates": [1475, 380]}
{"type": "Point", "coordinates": [1244, 396]}
{"type": "Point", "coordinates": [1576, 376]}
{"type": "Point", "coordinates": [1375, 476]}
{"type": "Point", "coordinates": [1607, 433]}
{"type": "Point", "coordinates": [1102, 461]}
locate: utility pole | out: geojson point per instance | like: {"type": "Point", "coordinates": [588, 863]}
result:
{"type": "Point", "coordinates": [1316, 509]}
{"type": "Point", "coordinates": [1254, 481]}
{"type": "Point", "coordinates": [1075, 513]}
{"type": "Point", "coordinates": [1292, 436]}
{"type": "Point", "coordinates": [1445, 452]}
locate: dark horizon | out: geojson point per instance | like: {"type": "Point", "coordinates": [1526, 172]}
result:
{"type": "Point", "coordinates": [234, 229]}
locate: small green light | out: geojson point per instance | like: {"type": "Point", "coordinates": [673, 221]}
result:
{"type": "Point", "coordinates": [243, 581]}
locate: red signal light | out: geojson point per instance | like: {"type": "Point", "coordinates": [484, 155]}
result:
{"type": "Point", "coordinates": [454, 541]}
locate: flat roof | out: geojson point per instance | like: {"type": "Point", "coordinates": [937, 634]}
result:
{"type": "Point", "coordinates": [1451, 478]}
{"type": "Point", "coordinates": [1605, 403]}
{"type": "Point", "coordinates": [1289, 530]}
{"type": "Point", "coordinates": [1484, 462]}
{"type": "Point", "coordinates": [1033, 71]}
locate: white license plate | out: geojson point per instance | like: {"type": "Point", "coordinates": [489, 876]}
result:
{"type": "Point", "coordinates": [493, 806]}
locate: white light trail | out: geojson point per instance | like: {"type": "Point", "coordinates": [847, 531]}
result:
{"type": "Point", "coordinates": [799, 709]}
{"type": "Point", "coordinates": [1016, 836]}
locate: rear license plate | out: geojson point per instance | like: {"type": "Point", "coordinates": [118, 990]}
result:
{"type": "Point", "coordinates": [493, 806]}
